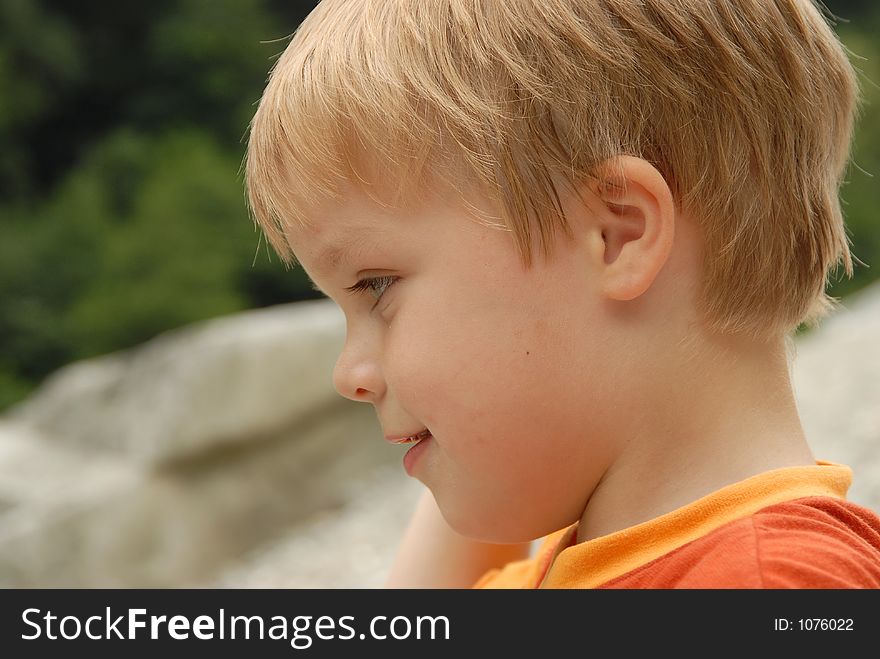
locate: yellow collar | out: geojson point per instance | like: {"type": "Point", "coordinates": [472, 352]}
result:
{"type": "Point", "coordinates": [594, 562]}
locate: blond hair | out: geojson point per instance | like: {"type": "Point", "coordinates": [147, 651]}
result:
{"type": "Point", "coordinates": [746, 107]}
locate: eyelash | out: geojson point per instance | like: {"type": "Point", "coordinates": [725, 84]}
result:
{"type": "Point", "coordinates": [368, 285]}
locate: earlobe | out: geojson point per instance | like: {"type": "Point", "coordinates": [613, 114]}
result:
{"type": "Point", "coordinates": [637, 218]}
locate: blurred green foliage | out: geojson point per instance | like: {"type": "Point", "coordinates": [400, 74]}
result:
{"type": "Point", "coordinates": [122, 209]}
{"type": "Point", "coordinates": [860, 193]}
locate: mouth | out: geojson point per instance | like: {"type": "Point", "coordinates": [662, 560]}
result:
{"type": "Point", "coordinates": [413, 439]}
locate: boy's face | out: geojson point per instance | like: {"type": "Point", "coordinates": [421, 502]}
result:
{"type": "Point", "coordinates": [512, 370]}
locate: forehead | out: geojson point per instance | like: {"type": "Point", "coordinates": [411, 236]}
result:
{"type": "Point", "coordinates": [338, 246]}
{"type": "Point", "coordinates": [339, 230]}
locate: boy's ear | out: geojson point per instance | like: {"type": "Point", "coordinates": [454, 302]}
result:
{"type": "Point", "coordinates": [636, 216]}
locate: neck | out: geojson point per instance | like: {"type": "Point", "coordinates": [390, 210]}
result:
{"type": "Point", "coordinates": [728, 413]}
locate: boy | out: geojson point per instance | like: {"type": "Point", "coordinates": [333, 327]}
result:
{"type": "Point", "coordinates": [623, 390]}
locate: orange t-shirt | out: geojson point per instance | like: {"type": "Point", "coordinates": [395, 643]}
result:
{"type": "Point", "coordinates": [785, 528]}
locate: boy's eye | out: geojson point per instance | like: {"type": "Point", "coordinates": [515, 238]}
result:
{"type": "Point", "coordinates": [376, 286]}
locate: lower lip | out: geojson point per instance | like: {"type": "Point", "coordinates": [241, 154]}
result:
{"type": "Point", "coordinates": [412, 456]}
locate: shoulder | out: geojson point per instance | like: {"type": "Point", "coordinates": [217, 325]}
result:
{"type": "Point", "coordinates": [814, 542]}
{"type": "Point", "coordinates": [818, 542]}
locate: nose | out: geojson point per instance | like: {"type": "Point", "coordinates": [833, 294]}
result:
{"type": "Point", "coordinates": [357, 374]}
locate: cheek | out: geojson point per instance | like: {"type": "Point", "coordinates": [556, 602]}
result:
{"type": "Point", "coordinates": [486, 368]}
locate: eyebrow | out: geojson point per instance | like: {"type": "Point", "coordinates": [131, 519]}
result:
{"type": "Point", "coordinates": [336, 254]}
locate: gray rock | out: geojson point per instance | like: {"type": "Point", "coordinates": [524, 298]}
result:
{"type": "Point", "coordinates": [160, 465]}
{"type": "Point", "coordinates": [349, 547]}
{"type": "Point", "coordinates": [220, 382]}
{"type": "Point", "coordinates": [79, 519]}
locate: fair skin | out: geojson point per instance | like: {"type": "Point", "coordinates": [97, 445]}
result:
{"type": "Point", "coordinates": [582, 389]}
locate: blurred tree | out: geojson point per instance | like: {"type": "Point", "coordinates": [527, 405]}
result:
{"type": "Point", "coordinates": [848, 8]}
{"type": "Point", "coordinates": [46, 261]}
{"type": "Point", "coordinates": [173, 258]}
{"type": "Point", "coordinates": [860, 193]}
{"type": "Point", "coordinates": [40, 63]}
{"type": "Point", "coordinates": [121, 203]}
